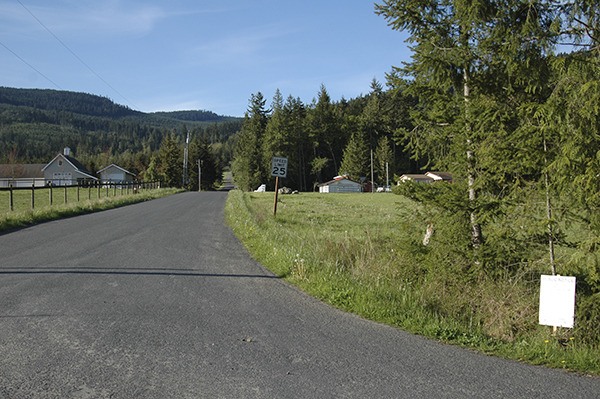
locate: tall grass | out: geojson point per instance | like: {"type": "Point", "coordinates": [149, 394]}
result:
{"type": "Point", "coordinates": [363, 253]}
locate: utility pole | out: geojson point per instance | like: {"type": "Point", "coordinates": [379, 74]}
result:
{"type": "Point", "coordinates": [387, 175]}
{"type": "Point", "coordinates": [185, 179]}
{"type": "Point", "coordinates": [199, 175]}
{"type": "Point", "coordinates": [372, 182]}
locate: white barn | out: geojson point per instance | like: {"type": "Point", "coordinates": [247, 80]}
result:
{"type": "Point", "coordinates": [64, 170]}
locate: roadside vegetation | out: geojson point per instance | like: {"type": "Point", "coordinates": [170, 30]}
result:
{"type": "Point", "coordinates": [23, 215]}
{"type": "Point", "coordinates": [364, 253]}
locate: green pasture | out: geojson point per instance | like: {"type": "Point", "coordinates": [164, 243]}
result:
{"type": "Point", "coordinates": [66, 201]}
{"type": "Point", "coordinates": [27, 199]}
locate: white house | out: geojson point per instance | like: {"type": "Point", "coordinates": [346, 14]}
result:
{"type": "Point", "coordinates": [115, 174]}
{"type": "Point", "coordinates": [340, 184]}
{"type": "Point", "coordinates": [64, 170]}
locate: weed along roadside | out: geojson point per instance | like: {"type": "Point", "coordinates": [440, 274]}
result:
{"type": "Point", "coordinates": [364, 253]}
{"type": "Point", "coordinates": [74, 201]}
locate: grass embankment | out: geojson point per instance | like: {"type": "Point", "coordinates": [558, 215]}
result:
{"type": "Point", "coordinates": [352, 251]}
{"type": "Point", "coordinates": [23, 215]}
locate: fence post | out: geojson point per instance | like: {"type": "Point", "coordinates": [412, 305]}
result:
{"type": "Point", "coordinates": [32, 196]}
{"type": "Point", "coordinates": [89, 191]}
{"type": "Point", "coordinates": [65, 194]}
{"type": "Point", "coordinates": [98, 185]}
{"type": "Point", "coordinates": [78, 191]}
{"type": "Point", "coordinates": [50, 191]}
{"type": "Point", "coordinates": [10, 197]}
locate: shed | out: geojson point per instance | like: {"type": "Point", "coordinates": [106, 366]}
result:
{"type": "Point", "coordinates": [115, 174]}
{"type": "Point", "coordinates": [64, 170]}
{"type": "Point", "coordinates": [340, 184]}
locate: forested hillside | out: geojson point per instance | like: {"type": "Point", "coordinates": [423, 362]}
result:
{"type": "Point", "coordinates": [37, 124]}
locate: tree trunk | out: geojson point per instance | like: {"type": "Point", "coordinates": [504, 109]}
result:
{"type": "Point", "coordinates": [476, 238]}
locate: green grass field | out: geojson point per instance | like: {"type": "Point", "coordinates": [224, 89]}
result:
{"type": "Point", "coordinates": [65, 202]}
{"type": "Point", "coordinates": [357, 252]}
{"type": "Point", "coordinates": [43, 197]}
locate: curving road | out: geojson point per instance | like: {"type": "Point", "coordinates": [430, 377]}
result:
{"type": "Point", "coordinates": [159, 300]}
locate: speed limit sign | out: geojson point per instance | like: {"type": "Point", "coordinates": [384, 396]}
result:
{"type": "Point", "coordinates": [279, 167]}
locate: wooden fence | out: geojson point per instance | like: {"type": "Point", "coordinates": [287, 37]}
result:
{"type": "Point", "coordinates": [22, 198]}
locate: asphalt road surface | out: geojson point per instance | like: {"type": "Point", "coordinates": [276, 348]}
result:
{"type": "Point", "coordinates": [159, 300]}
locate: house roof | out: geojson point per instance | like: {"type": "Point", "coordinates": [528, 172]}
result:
{"type": "Point", "coordinates": [447, 176]}
{"type": "Point", "coordinates": [78, 166]}
{"type": "Point", "coordinates": [118, 167]}
{"type": "Point", "coordinates": [22, 171]}
{"type": "Point", "coordinates": [416, 177]}
{"type": "Point", "coordinates": [337, 180]}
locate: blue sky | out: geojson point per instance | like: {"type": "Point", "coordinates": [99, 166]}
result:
{"type": "Point", "coordinates": [170, 55]}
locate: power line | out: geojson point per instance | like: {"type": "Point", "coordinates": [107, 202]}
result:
{"type": "Point", "coordinates": [76, 56]}
{"type": "Point", "coordinates": [30, 66]}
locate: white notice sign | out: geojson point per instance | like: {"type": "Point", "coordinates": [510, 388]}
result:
{"type": "Point", "coordinates": [557, 301]}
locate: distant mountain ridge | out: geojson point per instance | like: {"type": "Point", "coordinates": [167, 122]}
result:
{"type": "Point", "coordinates": [35, 124]}
{"type": "Point", "coordinates": [92, 105]}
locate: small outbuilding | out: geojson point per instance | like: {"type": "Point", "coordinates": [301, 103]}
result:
{"type": "Point", "coordinates": [115, 174]}
{"type": "Point", "coordinates": [340, 184]}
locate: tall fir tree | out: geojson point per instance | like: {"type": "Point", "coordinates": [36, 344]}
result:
{"type": "Point", "coordinates": [355, 162]}
{"type": "Point", "coordinates": [171, 158]}
{"type": "Point", "coordinates": [248, 167]}
{"type": "Point", "coordinates": [471, 61]}
{"type": "Point", "coordinates": [324, 128]}
{"type": "Point", "coordinates": [383, 160]}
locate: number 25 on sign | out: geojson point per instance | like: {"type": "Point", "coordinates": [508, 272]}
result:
{"type": "Point", "coordinates": [278, 169]}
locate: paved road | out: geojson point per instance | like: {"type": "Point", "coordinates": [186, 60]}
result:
{"type": "Point", "coordinates": [159, 300]}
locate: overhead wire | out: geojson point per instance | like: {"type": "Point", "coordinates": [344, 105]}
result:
{"type": "Point", "coordinates": [76, 56]}
{"type": "Point", "coordinates": [30, 66]}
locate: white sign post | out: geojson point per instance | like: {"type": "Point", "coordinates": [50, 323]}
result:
{"type": "Point", "coordinates": [557, 301]}
{"type": "Point", "coordinates": [278, 169]}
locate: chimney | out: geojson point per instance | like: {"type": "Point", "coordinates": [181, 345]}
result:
{"type": "Point", "coordinates": [67, 152]}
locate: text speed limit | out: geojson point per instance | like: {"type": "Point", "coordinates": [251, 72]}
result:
{"type": "Point", "coordinates": [279, 167]}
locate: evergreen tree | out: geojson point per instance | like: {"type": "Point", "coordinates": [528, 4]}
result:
{"type": "Point", "coordinates": [171, 161]}
{"type": "Point", "coordinates": [356, 160]}
{"type": "Point", "coordinates": [298, 144]}
{"type": "Point", "coordinates": [201, 153]}
{"type": "Point", "coordinates": [324, 130]}
{"type": "Point", "coordinates": [152, 171]}
{"type": "Point", "coordinates": [248, 167]}
{"type": "Point", "coordinates": [471, 63]}
{"type": "Point", "coordinates": [383, 159]}
{"type": "Point", "coordinates": [274, 143]}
